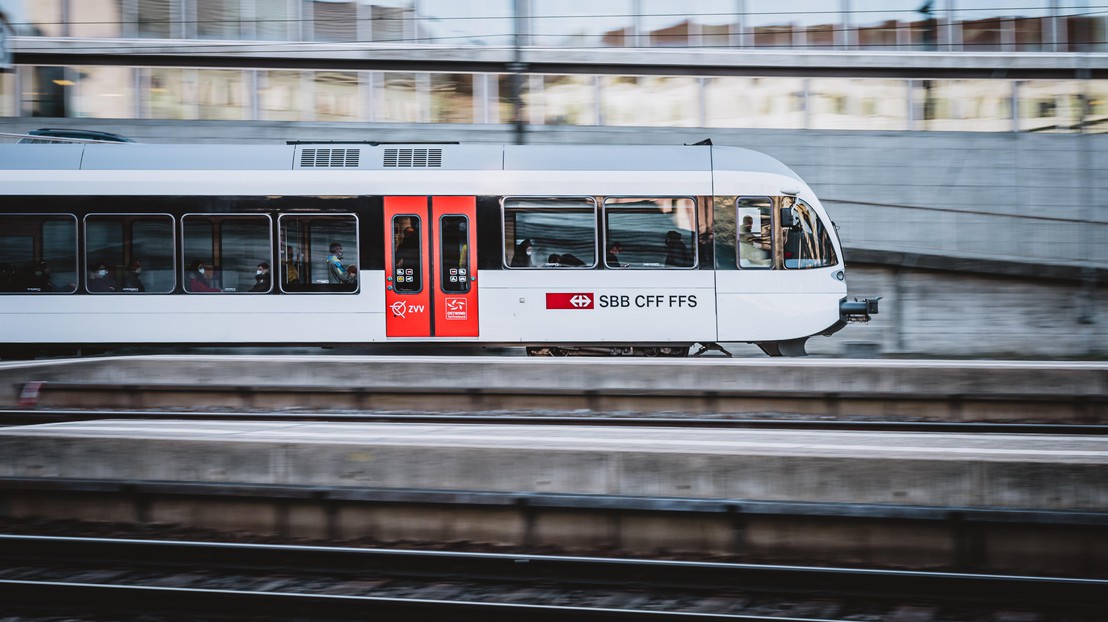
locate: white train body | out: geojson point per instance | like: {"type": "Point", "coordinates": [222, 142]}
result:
{"type": "Point", "coordinates": [198, 198]}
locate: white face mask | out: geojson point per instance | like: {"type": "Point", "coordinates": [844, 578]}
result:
{"type": "Point", "coordinates": [260, 272]}
{"type": "Point", "coordinates": [201, 271]}
{"type": "Point", "coordinates": [528, 251]}
{"type": "Point", "coordinates": [103, 273]}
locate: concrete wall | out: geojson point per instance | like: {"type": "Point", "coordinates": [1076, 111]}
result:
{"type": "Point", "coordinates": [1032, 202]}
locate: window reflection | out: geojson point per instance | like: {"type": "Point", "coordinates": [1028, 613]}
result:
{"type": "Point", "coordinates": [475, 22]}
{"type": "Point", "coordinates": [792, 23]}
{"type": "Point", "coordinates": [170, 93]}
{"type": "Point", "coordinates": [334, 21]}
{"type": "Point", "coordinates": [452, 98]}
{"type": "Point", "coordinates": [221, 94]}
{"type": "Point", "coordinates": [96, 18]}
{"type": "Point", "coordinates": [104, 92]}
{"type": "Point", "coordinates": [280, 95]}
{"type": "Point", "coordinates": [1051, 106]}
{"type": "Point", "coordinates": [963, 105]}
{"type": "Point", "coordinates": [398, 98]}
{"type": "Point", "coordinates": [43, 19]}
{"type": "Point", "coordinates": [681, 23]}
{"type": "Point", "coordinates": [338, 96]}
{"type": "Point", "coordinates": [7, 95]}
{"type": "Point", "coordinates": [387, 20]}
{"type": "Point", "coordinates": [857, 104]}
{"type": "Point", "coordinates": [155, 18]}
{"type": "Point", "coordinates": [754, 102]}
{"type": "Point", "coordinates": [565, 100]}
{"type": "Point", "coordinates": [582, 23]}
{"type": "Point", "coordinates": [218, 19]}
{"type": "Point", "coordinates": [649, 101]}
{"type": "Point", "coordinates": [38, 253]}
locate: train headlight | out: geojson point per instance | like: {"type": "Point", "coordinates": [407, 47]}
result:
{"type": "Point", "coordinates": [839, 275]}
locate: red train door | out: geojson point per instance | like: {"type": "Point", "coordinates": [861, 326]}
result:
{"type": "Point", "coordinates": [430, 267]}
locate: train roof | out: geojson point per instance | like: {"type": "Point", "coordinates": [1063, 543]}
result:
{"type": "Point", "coordinates": [354, 156]}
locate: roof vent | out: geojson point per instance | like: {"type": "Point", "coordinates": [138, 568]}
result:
{"type": "Point", "coordinates": [330, 158]}
{"type": "Point", "coordinates": [413, 158]}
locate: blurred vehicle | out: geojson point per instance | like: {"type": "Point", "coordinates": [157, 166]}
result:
{"type": "Point", "coordinates": [563, 249]}
{"type": "Point", "coordinates": [49, 134]}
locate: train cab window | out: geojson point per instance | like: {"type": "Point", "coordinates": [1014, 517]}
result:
{"type": "Point", "coordinates": [650, 233]}
{"type": "Point", "coordinates": [807, 243]}
{"type": "Point", "coordinates": [38, 254]}
{"type": "Point", "coordinates": [454, 251]}
{"type": "Point", "coordinates": [549, 233]}
{"type": "Point", "coordinates": [755, 233]}
{"type": "Point", "coordinates": [319, 253]}
{"type": "Point", "coordinates": [221, 252]}
{"type": "Point", "coordinates": [135, 252]}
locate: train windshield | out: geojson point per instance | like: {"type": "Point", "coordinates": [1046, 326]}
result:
{"type": "Point", "coordinates": [807, 242]}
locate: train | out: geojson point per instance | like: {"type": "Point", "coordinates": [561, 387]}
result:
{"type": "Point", "coordinates": [646, 250]}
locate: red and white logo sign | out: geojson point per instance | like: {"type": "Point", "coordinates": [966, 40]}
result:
{"type": "Point", "coordinates": [572, 300]}
{"type": "Point", "coordinates": [456, 309]}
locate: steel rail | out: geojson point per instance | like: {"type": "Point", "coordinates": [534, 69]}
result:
{"type": "Point", "coordinates": [30, 417]}
{"type": "Point", "coordinates": [1061, 592]}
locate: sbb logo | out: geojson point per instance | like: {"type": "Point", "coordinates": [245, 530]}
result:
{"type": "Point", "coordinates": [572, 300]}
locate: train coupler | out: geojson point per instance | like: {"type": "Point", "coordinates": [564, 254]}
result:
{"type": "Point", "coordinates": [858, 310]}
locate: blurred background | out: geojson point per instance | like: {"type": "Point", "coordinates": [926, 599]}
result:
{"type": "Point", "coordinates": [958, 144]}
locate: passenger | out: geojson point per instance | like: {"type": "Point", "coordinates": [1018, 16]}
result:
{"type": "Point", "coordinates": [677, 254]}
{"type": "Point", "coordinates": [612, 258]}
{"type": "Point", "coordinates": [40, 280]}
{"type": "Point", "coordinates": [407, 251]}
{"type": "Point", "coordinates": [199, 282]}
{"type": "Point", "coordinates": [132, 281]}
{"type": "Point", "coordinates": [98, 279]}
{"type": "Point", "coordinates": [522, 256]}
{"type": "Point", "coordinates": [571, 261]}
{"type": "Point", "coordinates": [336, 272]}
{"type": "Point", "coordinates": [262, 280]}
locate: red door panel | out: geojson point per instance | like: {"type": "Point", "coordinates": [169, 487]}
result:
{"type": "Point", "coordinates": [430, 267]}
{"type": "Point", "coordinates": [407, 283]}
{"type": "Point", "coordinates": [455, 251]}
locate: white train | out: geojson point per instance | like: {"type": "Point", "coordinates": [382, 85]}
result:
{"type": "Point", "coordinates": [611, 249]}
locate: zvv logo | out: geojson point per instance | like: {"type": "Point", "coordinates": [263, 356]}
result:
{"type": "Point", "coordinates": [399, 308]}
{"type": "Point", "coordinates": [572, 300]}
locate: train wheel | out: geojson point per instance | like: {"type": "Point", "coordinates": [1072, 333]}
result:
{"type": "Point", "coordinates": [651, 352]}
{"type": "Point", "coordinates": [674, 351]}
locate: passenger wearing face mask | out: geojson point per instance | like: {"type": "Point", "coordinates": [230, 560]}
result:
{"type": "Point", "coordinates": [261, 278]}
{"type": "Point", "coordinates": [132, 281]}
{"type": "Point", "coordinates": [40, 280]}
{"type": "Point", "coordinates": [98, 279]}
{"type": "Point", "coordinates": [522, 256]}
{"type": "Point", "coordinates": [199, 282]}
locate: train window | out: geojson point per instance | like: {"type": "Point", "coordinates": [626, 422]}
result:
{"type": "Point", "coordinates": [133, 251]}
{"type": "Point", "coordinates": [549, 233]}
{"type": "Point", "coordinates": [221, 252]}
{"type": "Point", "coordinates": [319, 253]}
{"type": "Point", "coordinates": [407, 260]}
{"type": "Point", "coordinates": [455, 254]}
{"type": "Point", "coordinates": [38, 253]}
{"type": "Point", "coordinates": [807, 243]}
{"type": "Point", "coordinates": [755, 232]}
{"type": "Point", "coordinates": [652, 233]}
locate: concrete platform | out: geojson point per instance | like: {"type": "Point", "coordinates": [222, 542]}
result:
{"type": "Point", "coordinates": [976, 471]}
{"type": "Point", "coordinates": [947, 390]}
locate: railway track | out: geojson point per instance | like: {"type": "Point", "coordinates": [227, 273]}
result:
{"type": "Point", "coordinates": [204, 580]}
{"type": "Point", "coordinates": [689, 420]}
